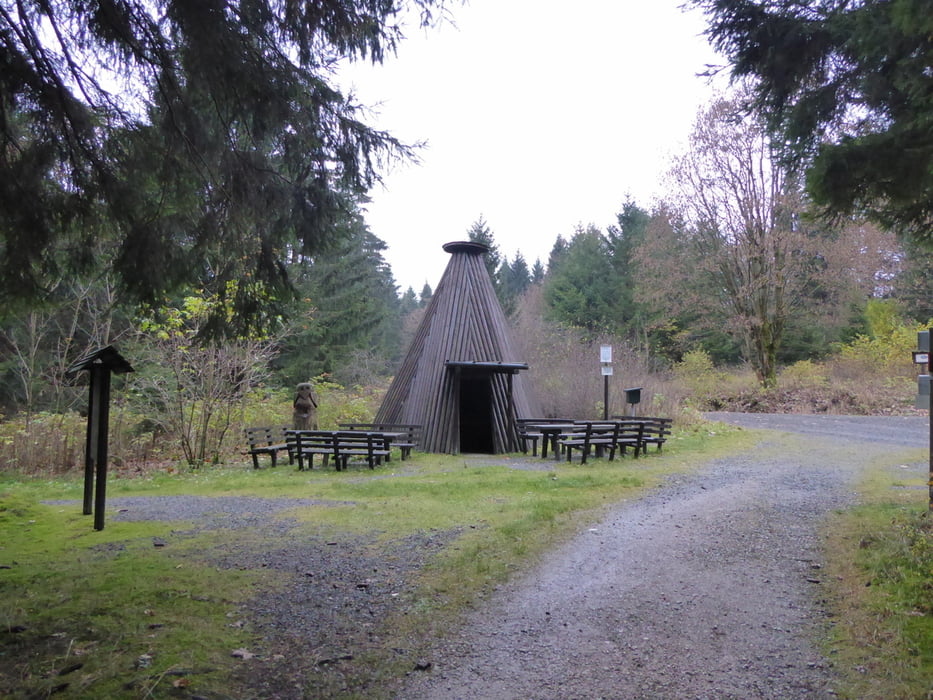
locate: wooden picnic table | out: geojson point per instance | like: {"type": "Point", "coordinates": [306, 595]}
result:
{"type": "Point", "coordinates": [551, 432]}
{"type": "Point", "coordinates": [632, 433]}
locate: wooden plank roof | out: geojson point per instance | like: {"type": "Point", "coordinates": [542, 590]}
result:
{"type": "Point", "coordinates": [463, 329]}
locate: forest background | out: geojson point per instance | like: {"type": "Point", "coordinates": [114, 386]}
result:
{"type": "Point", "coordinates": [227, 280]}
{"type": "Point", "coordinates": [729, 294]}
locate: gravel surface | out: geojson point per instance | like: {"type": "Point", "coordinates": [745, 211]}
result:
{"type": "Point", "coordinates": [710, 587]}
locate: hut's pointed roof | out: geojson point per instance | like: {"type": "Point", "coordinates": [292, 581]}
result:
{"type": "Point", "coordinates": [464, 332]}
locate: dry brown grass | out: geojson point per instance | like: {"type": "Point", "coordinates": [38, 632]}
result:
{"type": "Point", "coordinates": [566, 376]}
{"type": "Point", "coordinates": [837, 386]}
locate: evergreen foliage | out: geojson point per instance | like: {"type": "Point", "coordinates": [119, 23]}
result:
{"type": "Point", "coordinates": [202, 140]}
{"type": "Point", "coordinates": [912, 287]}
{"type": "Point", "coordinates": [426, 294]}
{"type": "Point", "coordinates": [537, 272]}
{"type": "Point", "coordinates": [514, 278]}
{"type": "Point", "coordinates": [409, 301]}
{"type": "Point", "coordinates": [479, 232]}
{"type": "Point", "coordinates": [581, 288]}
{"type": "Point", "coordinates": [846, 89]}
{"type": "Point", "coordinates": [624, 238]}
{"type": "Point", "coordinates": [349, 308]}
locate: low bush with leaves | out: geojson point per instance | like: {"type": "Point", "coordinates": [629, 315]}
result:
{"type": "Point", "coordinates": [53, 443]}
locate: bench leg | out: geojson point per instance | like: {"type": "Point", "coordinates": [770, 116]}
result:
{"type": "Point", "coordinates": [534, 445]}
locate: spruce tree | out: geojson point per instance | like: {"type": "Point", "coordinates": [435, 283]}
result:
{"type": "Point", "coordinates": [845, 87]}
{"type": "Point", "coordinates": [206, 138]}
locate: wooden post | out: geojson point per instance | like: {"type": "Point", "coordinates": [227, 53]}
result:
{"type": "Point", "coordinates": [100, 365]}
{"type": "Point", "coordinates": [103, 435]}
{"type": "Point", "coordinates": [90, 446]}
{"type": "Point", "coordinates": [606, 397]}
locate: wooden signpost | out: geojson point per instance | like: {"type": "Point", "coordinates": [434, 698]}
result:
{"type": "Point", "coordinates": [100, 364]}
{"type": "Point", "coordinates": [921, 358]}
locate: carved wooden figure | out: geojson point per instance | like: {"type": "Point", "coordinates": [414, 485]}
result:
{"type": "Point", "coordinates": [305, 414]}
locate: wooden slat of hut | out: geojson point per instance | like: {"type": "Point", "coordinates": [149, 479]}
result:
{"type": "Point", "coordinates": [463, 322]}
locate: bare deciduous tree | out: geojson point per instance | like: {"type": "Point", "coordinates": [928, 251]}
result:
{"type": "Point", "coordinates": [192, 390]}
{"type": "Point", "coordinates": [41, 344]}
{"type": "Point", "coordinates": [744, 212]}
{"type": "Point", "coordinates": [733, 247]}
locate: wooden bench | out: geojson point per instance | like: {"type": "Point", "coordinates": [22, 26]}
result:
{"type": "Point", "coordinates": [526, 435]}
{"type": "Point", "coordinates": [631, 434]}
{"type": "Point", "coordinates": [656, 431]}
{"type": "Point", "coordinates": [305, 444]}
{"type": "Point", "coordinates": [372, 447]}
{"type": "Point", "coordinates": [267, 441]}
{"type": "Point", "coordinates": [591, 436]}
{"type": "Point", "coordinates": [340, 445]}
{"type": "Point", "coordinates": [405, 444]}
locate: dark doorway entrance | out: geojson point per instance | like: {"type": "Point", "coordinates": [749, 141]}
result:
{"type": "Point", "coordinates": [476, 413]}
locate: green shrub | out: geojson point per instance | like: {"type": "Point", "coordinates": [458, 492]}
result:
{"type": "Point", "coordinates": [54, 443]}
{"type": "Point", "coordinates": [804, 374]}
{"type": "Point", "coordinates": [887, 348]}
{"type": "Point", "coordinates": [698, 374]}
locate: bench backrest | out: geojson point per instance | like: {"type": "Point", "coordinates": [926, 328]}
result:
{"type": "Point", "coordinates": [263, 436]}
{"type": "Point", "coordinates": [594, 430]}
{"type": "Point", "coordinates": [299, 440]}
{"type": "Point", "coordinates": [658, 427]}
{"type": "Point", "coordinates": [412, 432]}
{"type": "Point", "coordinates": [653, 425]}
{"type": "Point", "coordinates": [631, 430]}
{"type": "Point", "coordinates": [353, 439]}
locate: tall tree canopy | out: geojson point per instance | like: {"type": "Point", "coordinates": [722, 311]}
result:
{"type": "Point", "coordinates": [479, 232]}
{"type": "Point", "coordinates": [204, 139]}
{"type": "Point", "coordinates": [581, 287]}
{"type": "Point", "coordinates": [352, 311]}
{"type": "Point", "coordinates": [847, 88]}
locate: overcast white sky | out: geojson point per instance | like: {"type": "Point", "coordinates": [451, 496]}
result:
{"type": "Point", "coordinates": [538, 115]}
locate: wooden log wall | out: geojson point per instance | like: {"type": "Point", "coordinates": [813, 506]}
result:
{"type": "Point", "coordinates": [463, 323]}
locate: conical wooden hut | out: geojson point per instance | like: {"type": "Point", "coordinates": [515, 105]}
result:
{"type": "Point", "coordinates": [461, 379]}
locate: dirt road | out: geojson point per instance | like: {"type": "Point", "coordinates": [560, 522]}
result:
{"type": "Point", "coordinates": [709, 588]}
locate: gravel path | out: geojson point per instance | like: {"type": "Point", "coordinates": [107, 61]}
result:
{"type": "Point", "coordinates": [709, 588]}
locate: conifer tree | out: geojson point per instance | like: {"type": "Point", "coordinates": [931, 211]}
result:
{"type": "Point", "coordinates": [537, 272]}
{"type": "Point", "coordinates": [479, 232]}
{"type": "Point", "coordinates": [581, 288]}
{"type": "Point", "coordinates": [351, 307]}
{"type": "Point", "coordinates": [845, 87]}
{"type": "Point", "coordinates": [206, 139]}
{"type": "Point", "coordinates": [426, 294]}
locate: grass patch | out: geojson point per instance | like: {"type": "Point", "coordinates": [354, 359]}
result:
{"type": "Point", "coordinates": [881, 566]}
{"type": "Point", "coordinates": [106, 614]}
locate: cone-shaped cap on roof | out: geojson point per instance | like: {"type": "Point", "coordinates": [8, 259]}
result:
{"type": "Point", "coordinates": [461, 351]}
